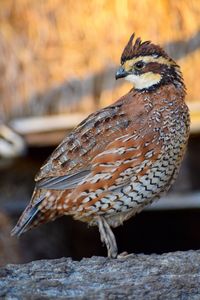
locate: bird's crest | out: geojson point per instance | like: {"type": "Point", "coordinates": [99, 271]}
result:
{"type": "Point", "coordinates": [140, 48]}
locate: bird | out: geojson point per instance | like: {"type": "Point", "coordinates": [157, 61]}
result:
{"type": "Point", "coordinates": [120, 158]}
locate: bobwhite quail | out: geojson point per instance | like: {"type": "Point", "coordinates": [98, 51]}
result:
{"type": "Point", "coordinates": [122, 157]}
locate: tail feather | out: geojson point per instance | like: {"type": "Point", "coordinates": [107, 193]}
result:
{"type": "Point", "coordinates": [27, 218]}
{"type": "Point", "coordinates": [44, 206]}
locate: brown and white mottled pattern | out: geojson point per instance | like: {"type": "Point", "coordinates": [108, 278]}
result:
{"type": "Point", "coordinates": [122, 157]}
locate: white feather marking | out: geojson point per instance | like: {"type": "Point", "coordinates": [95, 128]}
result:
{"type": "Point", "coordinates": [145, 80]}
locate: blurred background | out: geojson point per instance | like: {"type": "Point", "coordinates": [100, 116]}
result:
{"type": "Point", "coordinates": [57, 64]}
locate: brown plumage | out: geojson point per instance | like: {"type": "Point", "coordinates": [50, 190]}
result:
{"type": "Point", "coordinates": [122, 157]}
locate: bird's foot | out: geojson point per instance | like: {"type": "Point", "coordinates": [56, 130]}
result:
{"type": "Point", "coordinates": [107, 237]}
{"type": "Point", "coordinates": [124, 255]}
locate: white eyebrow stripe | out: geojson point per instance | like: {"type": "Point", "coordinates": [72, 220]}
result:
{"type": "Point", "coordinates": [148, 59]}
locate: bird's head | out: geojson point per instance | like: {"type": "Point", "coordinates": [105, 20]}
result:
{"type": "Point", "coordinates": [148, 66]}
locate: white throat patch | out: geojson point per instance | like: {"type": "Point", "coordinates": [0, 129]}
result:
{"type": "Point", "coordinates": [145, 80]}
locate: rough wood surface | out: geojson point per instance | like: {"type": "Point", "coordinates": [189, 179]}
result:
{"type": "Point", "coordinates": [168, 276]}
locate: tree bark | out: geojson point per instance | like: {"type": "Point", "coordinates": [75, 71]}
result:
{"type": "Point", "coordinates": [168, 276]}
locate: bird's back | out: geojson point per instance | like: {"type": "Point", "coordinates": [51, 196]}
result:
{"type": "Point", "coordinates": [116, 161]}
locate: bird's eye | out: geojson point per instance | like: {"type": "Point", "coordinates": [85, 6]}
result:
{"type": "Point", "coordinates": [139, 65]}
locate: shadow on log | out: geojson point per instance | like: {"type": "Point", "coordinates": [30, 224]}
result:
{"type": "Point", "coordinates": [168, 276]}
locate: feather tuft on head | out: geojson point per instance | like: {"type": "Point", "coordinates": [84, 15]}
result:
{"type": "Point", "coordinates": [140, 48]}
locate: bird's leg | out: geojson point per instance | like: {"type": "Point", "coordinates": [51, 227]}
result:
{"type": "Point", "coordinates": [107, 237]}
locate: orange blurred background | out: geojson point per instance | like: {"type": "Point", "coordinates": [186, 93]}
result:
{"type": "Point", "coordinates": [44, 44]}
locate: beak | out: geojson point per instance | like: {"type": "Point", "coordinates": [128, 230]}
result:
{"type": "Point", "coordinates": [121, 73]}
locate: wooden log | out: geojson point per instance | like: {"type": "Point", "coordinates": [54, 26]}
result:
{"type": "Point", "coordinates": [49, 130]}
{"type": "Point", "coordinates": [167, 276]}
{"type": "Point", "coordinates": [46, 123]}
